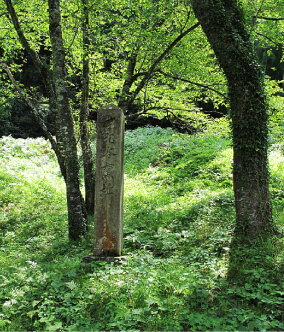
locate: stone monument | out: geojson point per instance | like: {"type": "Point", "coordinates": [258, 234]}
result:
{"type": "Point", "coordinates": [109, 182]}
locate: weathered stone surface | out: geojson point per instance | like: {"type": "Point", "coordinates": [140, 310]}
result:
{"type": "Point", "coordinates": [109, 182]}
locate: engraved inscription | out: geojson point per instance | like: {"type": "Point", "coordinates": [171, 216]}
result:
{"type": "Point", "coordinates": [106, 159]}
{"type": "Point", "coordinates": [109, 182]}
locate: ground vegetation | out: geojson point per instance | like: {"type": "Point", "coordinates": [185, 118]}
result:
{"type": "Point", "coordinates": [178, 225]}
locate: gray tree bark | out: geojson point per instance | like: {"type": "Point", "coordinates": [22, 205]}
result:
{"type": "Point", "coordinates": [75, 203]}
{"type": "Point", "coordinates": [89, 174]}
{"type": "Point", "coordinates": [65, 145]}
{"type": "Point", "coordinates": [223, 23]}
{"type": "Point", "coordinates": [45, 74]}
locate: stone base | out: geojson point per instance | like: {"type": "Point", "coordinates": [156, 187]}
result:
{"type": "Point", "coordinates": [108, 259]}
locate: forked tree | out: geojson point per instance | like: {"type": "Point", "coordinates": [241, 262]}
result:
{"type": "Point", "coordinates": [56, 88]}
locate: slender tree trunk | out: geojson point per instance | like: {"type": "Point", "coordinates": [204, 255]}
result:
{"type": "Point", "coordinates": [222, 21]}
{"type": "Point", "coordinates": [125, 93]}
{"type": "Point", "coordinates": [45, 74]}
{"type": "Point", "coordinates": [75, 203]}
{"type": "Point", "coordinates": [65, 146]}
{"type": "Point", "coordinates": [89, 174]}
{"type": "Point", "coordinates": [37, 117]}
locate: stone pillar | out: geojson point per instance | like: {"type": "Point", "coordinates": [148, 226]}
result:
{"type": "Point", "coordinates": [109, 182]}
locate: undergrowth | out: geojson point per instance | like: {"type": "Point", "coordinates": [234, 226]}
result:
{"type": "Point", "coordinates": [178, 225]}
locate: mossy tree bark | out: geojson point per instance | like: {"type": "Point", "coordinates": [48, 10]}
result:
{"type": "Point", "coordinates": [222, 22]}
{"type": "Point", "coordinates": [65, 144]}
{"type": "Point", "coordinates": [89, 174]}
{"type": "Point", "coordinates": [45, 74]}
{"type": "Point", "coordinates": [75, 203]}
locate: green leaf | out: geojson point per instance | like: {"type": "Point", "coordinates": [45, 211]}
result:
{"type": "Point", "coordinates": [55, 326]}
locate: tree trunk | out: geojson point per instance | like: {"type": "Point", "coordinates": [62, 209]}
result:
{"type": "Point", "coordinates": [89, 174]}
{"type": "Point", "coordinates": [37, 117]}
{"type": "Point", "coordinates": [223, 23]}
{"type": "Point", "coordinates": [76, 216]}
{"type": "Point", "coordinates": [45, 74]}
{"type": "Point", "coordinates": [125, 93]}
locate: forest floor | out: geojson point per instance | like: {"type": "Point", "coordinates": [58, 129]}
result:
{"type": "Point", "coordinates": [178, 224]}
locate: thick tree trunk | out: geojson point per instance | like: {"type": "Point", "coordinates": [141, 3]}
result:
{"type": "Point", "coordinates": [222, 22]}
{"type": "Point", "coordinates": [89, 174]}
{"type": "Point", "coordinates": [75, 203]}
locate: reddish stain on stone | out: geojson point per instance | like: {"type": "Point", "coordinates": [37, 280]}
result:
{"type": "Point", "coordinates": [109, 240]}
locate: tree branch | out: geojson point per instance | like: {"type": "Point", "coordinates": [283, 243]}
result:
{"type": "Point", "coordinates": [255, 17]}
{"type": "Point", "coordinates": [170, 109]}
{"type": "Point", "coordinates": [272, 41]}
{"type": "Point", "coordinates": [158, 61]}
{"type": "Point", "coordinates": [33, 109]}
{"type": "Point", "coordinates": [129, 79]}
{"type": "Point", "coordinates": [191, 82]}
{"type": "Point", "coordinates": [137, 75]}
{"type": "Point", "coordinates": [35, 57]}
{"type": "Point", "coordinates": [73, 40]}
{"type": "Point", "coordinates": [43, 69]}
{"type": "Point", "coordinates": [269, 18]}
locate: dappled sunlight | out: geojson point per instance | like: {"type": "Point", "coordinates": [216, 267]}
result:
{"type": "Point", "coordinates": [178, 224]}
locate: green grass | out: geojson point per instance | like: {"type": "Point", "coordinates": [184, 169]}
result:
{"type": "Point", "coordinates": [178, 224]}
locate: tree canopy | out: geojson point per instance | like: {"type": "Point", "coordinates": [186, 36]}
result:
{"type": "Point", "coordinates": [146, 56]}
